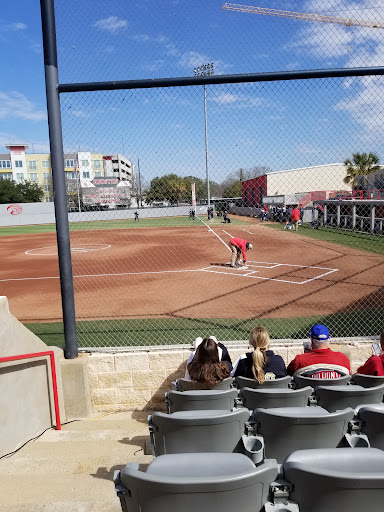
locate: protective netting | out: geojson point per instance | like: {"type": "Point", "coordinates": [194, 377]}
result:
{"type": "Point", "coordinates": [150, 265]}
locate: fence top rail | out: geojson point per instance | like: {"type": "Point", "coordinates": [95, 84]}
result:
{"type": "Point", "coordinates": [219, 79]}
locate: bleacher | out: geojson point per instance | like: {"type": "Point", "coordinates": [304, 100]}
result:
{"type": "Point", "coordinates": [280, 447]}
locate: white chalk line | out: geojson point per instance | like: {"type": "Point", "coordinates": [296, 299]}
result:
{"type": "Point", "coordinates": [250, 273]}
{"type": "Point", "coordinates": [239, 272]}
{"type": "Point", "coordinates": [248, 232]}
{"type": "Point", "coordinates": [211, 230]}
{"type": "Point", "coordinates": [83, 248]}
{"type": "Point", "coordinates": [104, 275]}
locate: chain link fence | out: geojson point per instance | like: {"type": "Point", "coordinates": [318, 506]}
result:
{"type": "Point", "coordinates": [150, 256]}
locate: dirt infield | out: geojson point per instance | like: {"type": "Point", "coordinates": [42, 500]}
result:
{"type": "Point", "coordinates": [180, 272]}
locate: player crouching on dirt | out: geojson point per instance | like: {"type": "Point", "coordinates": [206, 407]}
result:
{"type": "Point", "coordinates": [238, 247]}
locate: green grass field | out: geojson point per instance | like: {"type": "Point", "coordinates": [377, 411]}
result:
{"type": "Point", "coordinates": [362, 241]}
{"type": "Point", "coordinates": [115, 224]}
{"type": "Point", "coordinates": [147, 332]}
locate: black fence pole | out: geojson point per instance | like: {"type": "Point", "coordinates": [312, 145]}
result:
{"type": "Point", "coordinates": [58, 176]}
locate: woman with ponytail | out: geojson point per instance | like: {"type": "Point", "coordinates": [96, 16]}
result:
{"type": "Point", "coordinates": [261, 363]}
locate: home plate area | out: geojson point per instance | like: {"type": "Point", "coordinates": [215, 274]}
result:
{"type": "Point", "coordinates": [283, 272]}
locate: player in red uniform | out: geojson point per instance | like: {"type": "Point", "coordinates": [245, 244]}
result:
{"type": "Point", "coordinates": [238, 247]}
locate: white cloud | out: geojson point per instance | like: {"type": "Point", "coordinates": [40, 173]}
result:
{"type": "Point", "coordinates": [80, 113]}
{"type": "Point", "coordinates": [367, 106]}
{"type": "Point", "coordinates": [112, 24]}
{"type": "Point", "coordinates": [16, 105]}
{"type": "Point", "coordinates": [17, 26]}
{"type": "Point", "coordinates": [238, 100]}
{"type": "Point", "coordinates": [141, 38]}
{"type": "Point", "coordinates": [225, 98]}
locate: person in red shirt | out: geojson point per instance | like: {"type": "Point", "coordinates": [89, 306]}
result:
{"type": "Point", "coordinates": [295, 217]}
{"type": "Point", "coordinates": [238, 247]}
{"type": "Point", "coordinates": [320, 362]}
{"type": "Point", "coordinates": [375, 364]}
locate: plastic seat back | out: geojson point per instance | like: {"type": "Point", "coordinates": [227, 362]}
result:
{"type": "Point", "coordinates": [334, 398]}
{"type": "Point", "coordinates": [342, 479]}
{"type": "Point", "coordinates": [200, 400]}
{"type": "Point", "coordinates": [197, 431]}
{"type": "Point", "coordinates": [298, 428]}
{"type": "Point", "coordinates": [277, 397]}
{"type": "Point", "coordinates": [300, 381]}
{"type": "Point", "coordinates": [196, 481]}
{"type": "Point", "coordinates": [189, 385]}
{"type": "Point", "coordinates": [244, 382]}
{"type": "Point", "coordinates": [373, 424]}
{"type": "Point", "coordinates": [367, 381]}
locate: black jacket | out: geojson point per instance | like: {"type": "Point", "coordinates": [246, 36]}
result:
{"type": "Point", "coordinates": [274, 366]}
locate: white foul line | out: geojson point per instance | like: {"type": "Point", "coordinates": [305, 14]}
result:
{"type": "Point", "coordinates": [210, 229]}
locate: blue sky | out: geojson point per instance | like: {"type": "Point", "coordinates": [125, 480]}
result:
{"type": "Point", "coordinates": [279, 125]}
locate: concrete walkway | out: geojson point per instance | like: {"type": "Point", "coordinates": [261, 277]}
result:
{"type": "Point", "coordinates": [71, 470]}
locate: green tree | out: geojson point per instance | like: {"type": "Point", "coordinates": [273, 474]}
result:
{"type": "Point", "coordinates": [359, 167]}
{"type": "Point", "coordinates": [169, 188]}
{"type": "Point", "coordinates": [200, 187]}
{"type": "Point", "coordinates": [24, 192]}
{"type": "Point", "coordinates": [232, 188]}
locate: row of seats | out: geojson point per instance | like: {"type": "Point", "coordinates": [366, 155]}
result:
{"type": "Point", "coordinates": [331, 398]}
{"type": "Point", "coordinates": [295, 382]}
{"type": "Point", "coordinates": [271, 433]}
{"type": "Point", "coordinates": [310, 481]}
{"type": "Point", "coordinates": [269, 457]}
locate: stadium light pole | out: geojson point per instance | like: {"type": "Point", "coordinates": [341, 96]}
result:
{"type": "Point", "coordinates": [206, 70]}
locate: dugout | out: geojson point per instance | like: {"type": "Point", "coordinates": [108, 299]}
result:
{"type": "Point", "coordinates": [365, 216]}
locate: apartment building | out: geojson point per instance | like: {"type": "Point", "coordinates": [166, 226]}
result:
{"type": "Point", "coordinates": [82, 167]}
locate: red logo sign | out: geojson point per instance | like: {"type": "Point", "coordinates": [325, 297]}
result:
{"type": "Point", "coordinates": [14, 209]}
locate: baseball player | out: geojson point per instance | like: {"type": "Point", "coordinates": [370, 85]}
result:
{"type": "Point", "coordinates": [238, 247]}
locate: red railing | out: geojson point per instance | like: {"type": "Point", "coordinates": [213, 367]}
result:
{"type": "Point", "coordinates": [51, 354]}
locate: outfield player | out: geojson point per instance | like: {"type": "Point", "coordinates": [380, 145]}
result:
{"type": "Point", "coordinates": [238, 247]}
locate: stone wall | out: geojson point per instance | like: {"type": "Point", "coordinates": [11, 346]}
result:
{"type": "Point", "coordinates": [138, 379]}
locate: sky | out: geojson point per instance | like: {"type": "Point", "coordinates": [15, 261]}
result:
{"type": "Point", "coordinates": [279, 125]}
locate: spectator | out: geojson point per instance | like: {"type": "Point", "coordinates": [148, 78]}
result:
{"type": "Point", "coordinates": [320, 362]}
{"type": "Point", "coordinates": [375, 364]}
{"type": "Point", "coordinates": [222, 349]}
{"type": "Point", "coordinates": [206, 367]}
{"type": "Point", "coordinates": [295, 217]}
{"type": "Point", "coordinates": [261, 364]}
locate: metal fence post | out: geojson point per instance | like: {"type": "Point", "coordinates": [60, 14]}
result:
{"type": "Point", "coordinates": [59, 185]}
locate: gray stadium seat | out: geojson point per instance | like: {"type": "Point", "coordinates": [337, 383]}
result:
{"type": "Point", "coordinates": [285, 430]}
{"type": "Point", "coordinates": [200, 400]}
{"type": "Point", "coordinates": [277, 397]}
{"type": "Point", "coordinates": [332, 480]}
{"type": "Point", "coordinates": [191, 482]}
{"type": "Point", "coordinates": [367, 381]}
{"type": "Point", "coordinates": [372, 418]}
{"type": "Point", "coordinates": [300, 381]}
{"type": "Point", "coordinates": [243, 382]}
{"type": "Point", "coordinates": [197, 431]}
{"type": "Point", "coordinates": [189, 385]}
{"type": "Point", "coordinates": [334, 398]}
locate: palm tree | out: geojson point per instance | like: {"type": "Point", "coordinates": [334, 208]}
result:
{"type": "Point", "coordinates": [359, 168]}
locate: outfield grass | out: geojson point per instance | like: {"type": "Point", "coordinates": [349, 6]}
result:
{"type": "Point", "coordinates": [362, 241]}
{"type": "Point", "coordinates": [115, 224]}
{"type": "Point", "coordinates": [140, 332]}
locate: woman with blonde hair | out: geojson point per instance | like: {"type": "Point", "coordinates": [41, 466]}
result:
{"type": "Point", "coordinates": [261, 363]}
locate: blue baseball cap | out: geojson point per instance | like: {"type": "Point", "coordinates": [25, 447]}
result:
{"type": "Point", "coordinates": [319, 332]}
